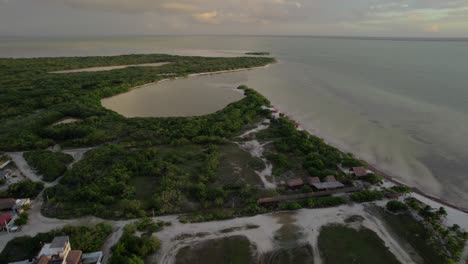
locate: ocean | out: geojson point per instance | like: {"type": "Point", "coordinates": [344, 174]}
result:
{"type": "Point", "coordinates": [400, 104]}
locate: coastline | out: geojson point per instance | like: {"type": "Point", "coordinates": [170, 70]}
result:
{"type": "Point", "coordinates": [392, 179]}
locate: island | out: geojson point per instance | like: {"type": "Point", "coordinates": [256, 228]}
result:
{"type": "Point", "coordinates": [258, 53]}
{"type": "Point", "coordinates": [194, 189]}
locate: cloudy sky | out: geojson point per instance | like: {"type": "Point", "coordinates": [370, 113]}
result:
{"type": "Point", "coordinates": [418, 18]}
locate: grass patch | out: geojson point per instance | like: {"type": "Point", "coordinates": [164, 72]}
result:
{"type": "Point", "coordinates": [341, 244]}
{"type": "Point", "coordinates": [414, 232]}
{"type": "Point", "coordinates": [236, 249]}
{"type": "Point", "coordinates": [236, 166]}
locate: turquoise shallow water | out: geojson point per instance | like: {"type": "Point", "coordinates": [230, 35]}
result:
{"type": "Point", "coordinates": [402, 105]}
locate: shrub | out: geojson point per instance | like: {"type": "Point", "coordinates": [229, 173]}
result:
{"type": "Point", "coordinates": [396, 206]}
{"type": "Point", "coordinates": [290, 205]}
{"type": "Point", "coordinates": [21, 220]}
{"type": "Point", "coordinates": [321, 202]}
{"type": "Point", "coordinates": [23, 189]}
{"type": "Point", "coordinates": [401, 189]}
{"type": "Point", "coordinates": [50, 164]}
{"type": "Point", "coordinates": [367, 196]}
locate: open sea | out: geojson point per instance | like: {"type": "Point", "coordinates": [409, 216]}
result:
{"type": "Point", "coordinates": [402, 105]}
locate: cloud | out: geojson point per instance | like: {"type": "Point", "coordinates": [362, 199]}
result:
{"type": "Point", "coordinates": [207, 17]}
{"type": "Point", "coordinates": [434, 28]}
{"type": "Point", "coordinates": [180, 7]}
{"type": "Point", "coordinates": [332, 17]}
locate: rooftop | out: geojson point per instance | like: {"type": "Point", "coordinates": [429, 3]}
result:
{"type": "Point", "coordinates": [312, 180]}
{"type": "Point", "coordinates": [6, 217]}
{"type": "Point", "coordinates": [359, 171]}
{"type": "Point", "coordinates": [295, 182]}
{"type": "Point", "coordinates": [74, 256]}
{"type": "Point", "coordinates": [330, 178]}
{"type": "Point", "coordinates": [59, 242]}
{"type": "Point", "coordinates": [7, 203]}
{"type": "Point", "coordinates": [328, 185]}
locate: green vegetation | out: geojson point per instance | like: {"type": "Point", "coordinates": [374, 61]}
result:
{"type": "Point", "coordinates": [169, 178]}
{"type": "Point", "coordinates": [301, 154]}
{"type": "Point", "coordinates": [401, 189]}
{"type": "Point", "coordinates": [31, 99]}
{"type": "Point", "coordinates": [341, 244]}
{"type": "Point", "coordinates": [23, 189]}
{"type": "Point", "coordinates": [449, 241]}
{"type": "Point", "coordinates": [321, 202]}
{"type": "Point", "coordinates": [287, 255]}
{"type": "Point", "coordinates": [87, 239]}
{"type": "Point", "coordinates": [22, 219]}
{"type": "Point", "coordinates": [234, 249]}
{"type": "Point", "coordinates": [396, 206]}
{"type": "Point", "coordinates": [366, 196]}
{"type": "Point", "coordinates": [50, 165]}
{"type": "Point", "coordinates": [132, 248]}
{"type": "Point", "coordinates": [317, 202]}
{"type": "Point", "coordinates": [258, 53]}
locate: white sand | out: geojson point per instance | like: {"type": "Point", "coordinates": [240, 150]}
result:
{"type": "Point", "coordinates": [256, 150]}
{"type": "Point", "coordinates": [109, 68]}
{"type": "Point", "coordinates": [66, 121]}
{"type": "Point", "coordinates": [309, 220]}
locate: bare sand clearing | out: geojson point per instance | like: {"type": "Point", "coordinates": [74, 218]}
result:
{"type": "Point", "coordinates": [256, 150]}
{"type": "Point", "coordinates": [109, 68]}
{"type": "Point", "coordinates": [66, 120]}
{"type": "Point", "coordinates": [309, 222]}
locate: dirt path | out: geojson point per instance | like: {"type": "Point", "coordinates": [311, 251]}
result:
{"type": "Point", "coordinates": [23, 166]}
{"type": "Point", "coordinates": [77, 154]}
{"type": "Point", "coordinates": [256, 149]}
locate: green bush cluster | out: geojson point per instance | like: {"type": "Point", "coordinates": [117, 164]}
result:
{"type": "Point", "coordinates": [396, 206]}
{"type": "Point", "coordinates": [367, 196]}
{"type": "Point", "coordinates": [132, 248]}
{"type": "Point", "coordinates": [22, 219]}
{"type": "Point", "coordinates": [50, 165]}
{"type": "Point", "coordinates": [23, 189]}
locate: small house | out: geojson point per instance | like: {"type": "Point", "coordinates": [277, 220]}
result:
{"type": "Point", "coordinates": [295, 183]}
{"type": "Point", "coordinates": [330, 178]}
{"type": "Point", "coordinates": [312, 180]}
{"type": "Point", "coordinates": [6, 221]}
{"type": "Point", "coordinates": [7, 205]}
{"type": "Point", "coordinates": [329, 183]}
{"type": "Point", "coordinates": [360, 171]}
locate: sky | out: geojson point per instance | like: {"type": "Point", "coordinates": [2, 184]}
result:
{"type": "Point", "coordinates": [389, 18]}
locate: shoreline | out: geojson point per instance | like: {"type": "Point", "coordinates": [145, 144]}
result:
{"type": "Point", "coordinates": [388, 177]}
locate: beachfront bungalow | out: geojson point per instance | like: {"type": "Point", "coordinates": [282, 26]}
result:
{"type": "Point", "coordinates": [329, 183]}
{"type": "Point", "coordinates": [312, 180]}
{"type": "Point", "coordinates": [295, 183]}
{"type": "Point", "coordinates": [360, 171]}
